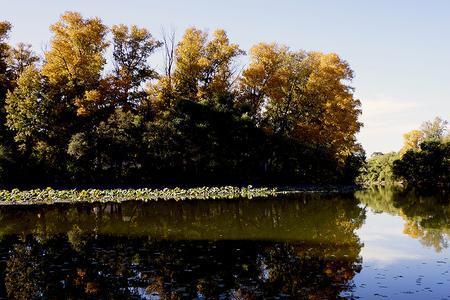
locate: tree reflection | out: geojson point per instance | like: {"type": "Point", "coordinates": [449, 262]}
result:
{"type": "Point", "coordinates": [160, 251]}
{"type": "Point", "coordinates": [427, 217]}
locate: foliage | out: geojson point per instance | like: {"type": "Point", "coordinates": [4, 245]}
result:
{"type": "Point", "coordinates": [422, 163]}
{"type": "Point", "coordinates": [426, 168]}
{"type": "Point", "coordinates": [303, 96]}
{"type": "Point", "coordinates": [290, 115]}
{"type": "Point", "coordinates": [435, 129]}
{"type": "Point", "coordinates": [5, 161]}
{"type": "Point", "coordinates": [378, 169]}
{"type": "Point", "coordinates": [49, 195]}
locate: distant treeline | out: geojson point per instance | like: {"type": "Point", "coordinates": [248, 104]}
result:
{"type": "Point", "coordinates": [76, 117]}
{"type": "Point", "coordinates": [423, 162]}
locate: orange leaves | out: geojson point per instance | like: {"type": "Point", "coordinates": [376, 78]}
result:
{"type": "Point", "coordinates": [302, 95]}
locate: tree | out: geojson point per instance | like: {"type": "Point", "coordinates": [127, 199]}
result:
{"type": "Point", "coordinates": [189, 56]}
{"type": "Point", "coordinates": [412, 140]}
{"type": "Point", "coordinates": [218, 65]}
{"type": "Point", "coordinates": [262, 79]}
{"type": "Point", "coordinates": [76, 54]}
{"type": "Point", "coordinates": [75, 60]}
{"type": "Point", "coordinates": [5, 78]}
{"type": "Point", "coordinates": [204, 69]}
{"type": "Point", "coordinates": [435, 129]}
{"type": "Point", "coordinates": [5, 84]}
{"type": "Point", "coordinates": [5, 27]}
{"type": "Point", "coordinates": [132, 48]}
{"type": "Point", "coordinates": [28, 110]}
{"type": "Point", "coordinates": [378, 170]}
{"type": "Point", "coordinates": [426, 168]}
{"type": "Point", "coordinates": [302, 95]}
{"type": "Point", "coordinates": [21, 57]}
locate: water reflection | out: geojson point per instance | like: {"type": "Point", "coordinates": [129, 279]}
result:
{"type": "Point", "coordinates": [426, 217]}
{"type": "Point", "coordinates": [300, 246]}
{"type": "Point", "coordinates": [398, 264]}
{"type": "Point", "coordinates": [251, 249]}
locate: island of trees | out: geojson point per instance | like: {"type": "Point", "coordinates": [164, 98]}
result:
{"type": "Point", "coordinates": [94, 110]}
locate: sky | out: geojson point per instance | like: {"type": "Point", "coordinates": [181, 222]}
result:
{"type": "Point", "coordinates": [399, 50]}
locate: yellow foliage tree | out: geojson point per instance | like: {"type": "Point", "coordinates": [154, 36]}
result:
{"type": "Point", "coordinates": [76, 54]}
{"type": "Point", "coordinates": [412, 140]}
{"type": "Point", "coordinates": [303, 95]}
{"type": "Point", "coordinates": [333, 120]}
{"type": "Point", "coordinates": [263, 77]}
{"type": "Point", "coordinates": [204, 68]}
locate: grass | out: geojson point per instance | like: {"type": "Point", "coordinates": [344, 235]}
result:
{"type": "Point", "coordinates": [50, 196]}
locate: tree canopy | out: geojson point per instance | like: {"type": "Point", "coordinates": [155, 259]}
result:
{"type": "Point", "coordinates": [82, 116]}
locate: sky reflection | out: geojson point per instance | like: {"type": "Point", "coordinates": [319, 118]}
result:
{"type": "Point", "coordinates": [398, 266]}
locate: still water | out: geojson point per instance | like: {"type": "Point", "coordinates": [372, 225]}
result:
{"type": "Point", "coordinates": [371, 244]}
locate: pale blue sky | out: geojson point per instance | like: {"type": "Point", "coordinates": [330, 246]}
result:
{"type": "Point", "coordinates": [399, 50]}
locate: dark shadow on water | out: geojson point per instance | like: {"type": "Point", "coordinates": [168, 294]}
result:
{"type": "Point", "coordinates": [300, 246]}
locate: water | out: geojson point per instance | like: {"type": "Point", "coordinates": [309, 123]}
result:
{"type": "Point", "coordinates": [373, 244]}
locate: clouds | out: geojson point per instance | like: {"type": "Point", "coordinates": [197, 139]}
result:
{"type": "Point", "coordinates": [385, 120]}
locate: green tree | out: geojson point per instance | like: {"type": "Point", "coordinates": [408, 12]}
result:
{"type": "Point", "coordinates": [378, 169]}
{"type": "Point", "coordinates": [426, 168]}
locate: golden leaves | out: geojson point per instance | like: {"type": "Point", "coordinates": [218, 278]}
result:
{"type": "Point", "coordinates": [302, 95]}
{"type": "Point", "coordinates": [76, 54]}
{"type": "Point", "coordinates": [204, 68]}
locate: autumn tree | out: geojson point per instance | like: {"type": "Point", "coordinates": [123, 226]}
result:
{"type": "Point", "coordinates": [76, 54]}
{"type": "Point", "coordinates": [262, 79]}
{"type": "Point", "coordinates": [189, 56]}
{"type": "Point", "coordinates": [124, 86]}
{"type": "Point", "coordinates": [332, 115]}
{"type": "Point", "coordinates": [305, 96]}
{"type": "Point", "coordinates": [435, 129]}
{"type": "Point", "coordinates": [41, 109]}
{"type": "Point", "coordinates": [75, 60]}
{"type": "Point", "coordinates": [132, 49]}
{"type": "Point", "coordinates": [412, 140]}
{"type": "Point", "coordinates": [204, 68]}
{"type": "Point", "coordinates": [20, 57]}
